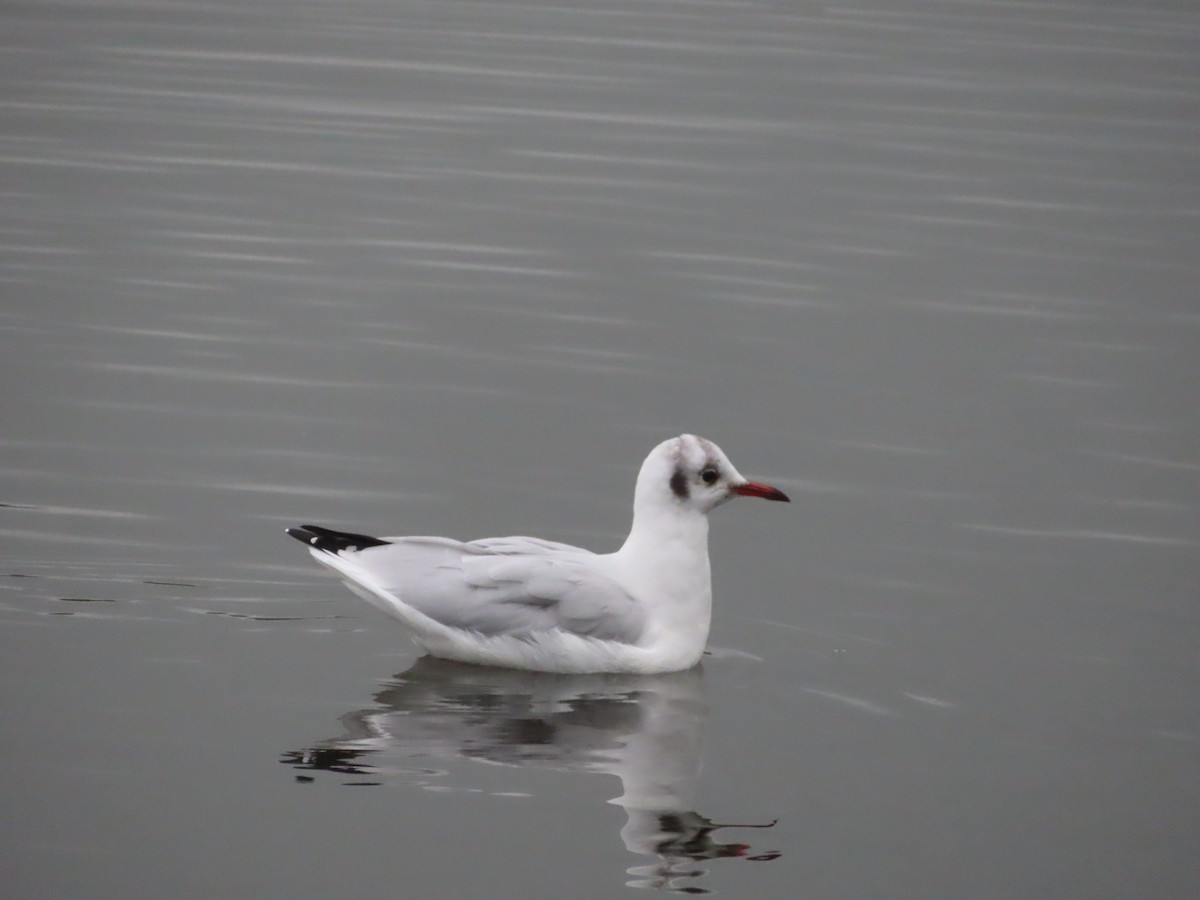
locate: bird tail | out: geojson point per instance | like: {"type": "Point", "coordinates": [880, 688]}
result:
{"type": "Point", "coordinates": [330, 541]}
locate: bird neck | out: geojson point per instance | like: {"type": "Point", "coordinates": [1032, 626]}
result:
{"type": "Point", "coordinates": [663, 531]}
{"type": "Point", "coordinates": [666, 556]}
{"type": "Point", "coordinates": [664, 564]}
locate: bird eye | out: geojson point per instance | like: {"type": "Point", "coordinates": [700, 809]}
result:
{"type": "Point", "coordinates": [709, 475]}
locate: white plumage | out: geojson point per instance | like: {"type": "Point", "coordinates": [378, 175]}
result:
{"type": "Point", "coordinates": [528, 603]}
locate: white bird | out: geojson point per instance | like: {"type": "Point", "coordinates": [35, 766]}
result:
{"type": "Point", "coordinates": [526, 603]}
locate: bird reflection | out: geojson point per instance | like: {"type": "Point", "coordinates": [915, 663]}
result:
{"type": "Point", "coordinates": [645, 729]}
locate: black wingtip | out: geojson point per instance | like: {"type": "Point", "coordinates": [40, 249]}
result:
{"type": "Point", "coordinates": [333, 541]}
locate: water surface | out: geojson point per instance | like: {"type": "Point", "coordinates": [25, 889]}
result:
{"type": "Point", "coordinates": [454, 269]}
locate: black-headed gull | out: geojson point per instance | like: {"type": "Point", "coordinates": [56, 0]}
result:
{"type": "Point", "coordinates": [526, 603]}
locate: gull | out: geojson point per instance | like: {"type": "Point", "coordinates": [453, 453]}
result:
{"type": "Point", "coordinates": [527, 603]}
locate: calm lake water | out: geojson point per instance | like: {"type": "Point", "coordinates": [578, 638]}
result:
{"type": "Point", "coordinates": [454, 268]}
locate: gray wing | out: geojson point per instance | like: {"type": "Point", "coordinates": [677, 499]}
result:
{"type": "Point", "coordinates": [508, 586]}
{"type": "Point", "coordinates": [519, 545]}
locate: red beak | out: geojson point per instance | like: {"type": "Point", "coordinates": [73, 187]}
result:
{"type": "Point", "coordinates": [756, 489]}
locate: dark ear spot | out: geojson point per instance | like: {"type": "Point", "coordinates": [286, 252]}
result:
{"type": "Point", "coordinates": [679, 485]}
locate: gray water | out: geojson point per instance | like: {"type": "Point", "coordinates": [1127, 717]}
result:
{"type": "Point", "coordinates": [453, 268]}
